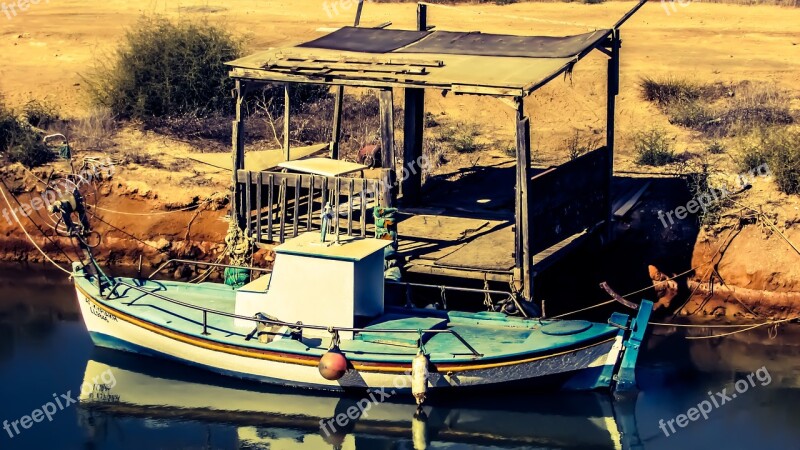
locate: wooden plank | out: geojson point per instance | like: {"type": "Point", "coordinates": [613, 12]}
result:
{"type": "Point", "coordinates": [286, 121]}
{"type": "Point", "coordinates": [413, 123]}
{"type": "Point", "coordinates": [310, 202]}
{"type": "Point", "coordinates": [337, 196]}
{"type": "Point", "coordinates": [259, 205]}
{"type": "Point", "coordinates": [427, 267]}
{"type": "Point", "coordinates": [296, 215]}
{"type": "Point", "coordinates": [611, 105]}
{"type": "Point", "coordinates": [248, 199]}
{"type": "Point", "coordinates": [363, 216]}
{"type": "Point", "coordinates": [386, 100]}
{"type": "Point", "coordinates": [422, 17]}
{"type": "Point", "coordinates": [337, 122]}
{"type": "Point", "coordinates": [570, 198]}
{"type": "Point", "coordinates": [237, 143]}
{"type": "Point", "coordinates": [277, 77]}
{"type": "Point", "coordinates": [282, 199]}
{"type": "Point", "coordinates": [300, 66]}
{"type": "Point", "coordinates": [523, 186]}
{"type": "Point", "coordinates": [393, 61]}
{"type": "Point", "coordinates": [270, 193]}
{"type": "Point", "coordinates": [350, 207]}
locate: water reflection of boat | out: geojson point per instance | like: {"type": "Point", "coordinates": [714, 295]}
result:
{"type": "Point", "coordinates": [119, 385]}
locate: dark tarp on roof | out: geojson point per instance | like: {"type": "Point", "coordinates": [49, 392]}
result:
{"type": "Point", "coordinates": [366, 40]}
{"type": "Point", "coordinates": [482, 44]}
{"type": "Point", "coordinates": [378, 40]}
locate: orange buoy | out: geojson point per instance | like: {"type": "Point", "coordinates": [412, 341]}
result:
{"type": "Point", "coordinates": [333, 364]}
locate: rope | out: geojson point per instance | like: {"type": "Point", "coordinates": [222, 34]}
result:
{"type": "Point", "coordinates": [775, 322]}
{"type": "Point", "coordinates": [30, 238]}
{"type": "Point", "coordinates": [608, 302]}
{"type": "Point", "coordinates": [511, 16]}
{"type": "Point", "coordinates": [763, 217]}
{"type": "Point", "coordinates": [159, 213]}
{"type": "Point", "coordinates": [128, 234]}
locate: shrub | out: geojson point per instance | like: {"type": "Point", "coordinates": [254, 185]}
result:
{"type": "Point", "coordinates": [653, 147]}
{"type": "Point", "coordinates": [166, 68]}
{"type": "Point", "coordinates": [578, 145]}
{"type": "Point", "coordinates": [754, 107]}
{"type": "Point", "coordinates": [20, 142]}
{"type": "Point", "coordinates": [40, 114]}
{"type": "Point", "coordinates": [689, 113]}
{"type": "Point", "coordinates": [668, 90]}
{"type": "Point", "coordinates": [715, 148]}
{"type": "Point", "coordinates": [465, 138]}
{"type": "Point", "coordinates": [779, 150]}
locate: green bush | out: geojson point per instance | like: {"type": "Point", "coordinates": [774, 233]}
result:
{"type": "Point", "coordinates": [465, 138]}
{"type": "Point", "coordinates": [667, 90]}
{"type": "Point", "coordinates": [778, 149]}
{"type": "Point", "coordinates": [40, 114]}
{"type": "Point", "coordinates": [167, 68]}
{"type": "Point", "coordinates": [21, 143]}
{"type": "Point", "coordinates": [689, 113]}
{"type": "Point", "coordinates": [715, 148]}
{"type": "Point", "coordinates": [653, 147]}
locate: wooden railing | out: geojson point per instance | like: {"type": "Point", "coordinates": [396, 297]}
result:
{"type": "Point", "coordinates": [275, 206]}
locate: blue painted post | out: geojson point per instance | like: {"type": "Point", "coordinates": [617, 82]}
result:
{"type": "Point", "coordinates": [626, 375]}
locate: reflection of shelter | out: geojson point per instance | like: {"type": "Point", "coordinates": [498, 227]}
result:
{"type": "Point", "coordinates": [554, 210]}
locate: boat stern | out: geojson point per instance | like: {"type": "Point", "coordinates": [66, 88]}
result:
{"type": "Point", "coordinates": [635, 333]}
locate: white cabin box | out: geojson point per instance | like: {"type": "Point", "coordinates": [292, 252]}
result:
{"type": "Point", "coordinates": [319, 284]}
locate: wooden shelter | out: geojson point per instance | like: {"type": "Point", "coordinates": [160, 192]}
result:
{"type": "Point", "coordinates": [554, 209]}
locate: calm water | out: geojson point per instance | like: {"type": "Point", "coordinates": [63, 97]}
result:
{"type": "Point", "coordinates": [133, 402]}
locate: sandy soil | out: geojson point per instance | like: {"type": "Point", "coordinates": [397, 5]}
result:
{"type": "Point", "coordinates": [46, 49]}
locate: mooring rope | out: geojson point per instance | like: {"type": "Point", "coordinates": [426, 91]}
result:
{"type": "Point", "coordinates": [24, 230]}
{"type": "Point", "coordinates": [155, 213]}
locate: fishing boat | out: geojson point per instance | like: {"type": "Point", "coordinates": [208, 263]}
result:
{"type": "Point", "coordinates": [320, 320]}
{"type": "Point", "coordinates": [119, 386]}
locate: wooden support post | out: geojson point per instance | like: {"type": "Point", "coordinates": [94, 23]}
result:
{"type": "Point", "coordinates": [422, 17]}
{"type": "Point", "coordinates": [237, 142]}
{"type": "Point", "coordinates": [337, 122]}
{"type": "Point", "coordinates": [286, 117]}
{"type": "Point", "coordinates": [386, 98]}
{"type": "Point", "coordinates": [524, 258]}
{"type": "Point", "coordinates": [612, 92]}
{"type": "Point", "coordinates": [414, 114]}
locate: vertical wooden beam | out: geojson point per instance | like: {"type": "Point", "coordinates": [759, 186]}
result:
{"type": "Point", "coordinates": [237, 143]}
{"type": "Point", "coordinates": [386, 99]}
{"type": "Point", "coordinates": [524, 258]}
{"type": "Point", "coordinates": [413, 127]}
{"type": "Point", "coordinates": [611, 100]}
{"type": "Point", "coordinates": [350, 189]}
{"type": "Point", "coordinates": [248, 202]}
{"type": "Point", "coordinates": [422, 17]}
{"type": "Point", "coordinates": [337, 106]}
{"type": "Point", "coordinates": [286, 120]}
{"type": "Point", "coordinates": [363, 216]}
{"type": "Point", "coordinates": [298, 183]}
{"type": "Point", "coordinates": [337, 122]}
{"type": "Point", "coordinates": [282, 200]}
{"type": "Point", "coordinates": [259, 204]}
{"type": "Point", "coordinates": [310, 209]}
{"type": "Point", "coordinates": [271, 202]}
